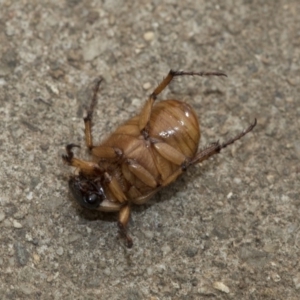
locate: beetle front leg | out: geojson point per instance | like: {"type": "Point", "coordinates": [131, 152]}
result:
{"type": "Point", "coordinates": [86, 167]}
{"type": "Point", "coordinates": [124, 216]}
{"type": "Point", "coordinates": [89, 116]}
{"type": "Point", "coordinates": [115, 188]}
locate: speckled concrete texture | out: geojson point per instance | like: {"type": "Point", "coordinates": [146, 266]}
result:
{"type": "Point", "coordinates": [227, 229]}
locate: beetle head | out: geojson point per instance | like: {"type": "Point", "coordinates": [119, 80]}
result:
{"type": "Point", "coordinates": [87, 192]}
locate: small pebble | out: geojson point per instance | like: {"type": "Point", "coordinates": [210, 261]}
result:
{"type": "Point", "coordinates": [161, 268]}
{"type": "Point", "coordinates": [136, 102]}
{"type": "Point", "coordinates": [36, 257]}
{"type": "Point", "coordinates": [275, 277]}
{"type": "Point", "coordinates": [166, 249]}
{"type": "Point", "coordinates": [296, 281]}
{"type": "Point", "coordinates": [149, 271]}
{"type": "Point", "coordinates": [107, 271]}
{"type": "Point", "coordinates": [149, 36]}
{"type": "Point", "coordinates": [52, 88]}
{"type": "Point", "coordinates": [60, 251]}
{"type": "Point", "coordinates": [16, 224]}
{"type": "Point", "coordinates": [229, 195]}
{"type": "Point", "coordinates": [221, 287]}
{"type": "Point", "coordinates": [237, 180]}
{"type": "Point", "coordinates": [29, 196]}
{"type": "Point", "coordinates": [147, 86]}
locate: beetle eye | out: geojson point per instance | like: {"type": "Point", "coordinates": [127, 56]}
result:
{"type": "Point", "coordinates": [92, 198]}
{"type": "Point", "coordinates": [92, 201]}
{"type": "Point", "coordinates": [86, 193]}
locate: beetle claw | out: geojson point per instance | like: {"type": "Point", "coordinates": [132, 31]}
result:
{"type": "Point", "coordinates": [129, 242]}
{"type": "Point", "coordinates": [125, 235]}
{"type": "Point", "coordinates": [68, 157]}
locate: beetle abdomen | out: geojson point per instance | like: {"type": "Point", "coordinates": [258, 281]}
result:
{"type": "Point", "coordinates": [174, 125]}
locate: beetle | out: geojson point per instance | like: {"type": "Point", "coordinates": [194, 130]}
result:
{"type": "Point", "coordinates": [142, 156]}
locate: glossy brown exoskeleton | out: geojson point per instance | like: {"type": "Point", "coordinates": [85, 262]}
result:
{"type": "Point", "coordinates": [143, 155]}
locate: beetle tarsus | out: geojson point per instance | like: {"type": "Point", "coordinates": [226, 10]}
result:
{"type": "Point", "coordinates": [125, 235]}
{"type": "Point", "coordinates": [68, 157]}
{"type": "Point", "coordinates": [239, 136]}
{"type": "Point", "coordinates": [183, 73]}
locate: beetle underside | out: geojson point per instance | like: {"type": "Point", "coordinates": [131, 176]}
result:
{"type": "Point", "coordinates": [142, 156]}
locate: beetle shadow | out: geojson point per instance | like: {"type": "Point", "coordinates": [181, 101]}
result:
{"type": "Point", "coordinates": [175, 187]}
{"type": "Point", "coordinates": [92, 214]}
{"type": "Point", "coordinates": [163, 195]}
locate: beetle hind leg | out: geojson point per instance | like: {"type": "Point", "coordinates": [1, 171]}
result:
{"type": "Point", "coordinates": [216, 147]}
{"type": "Point", "coordinates": [124, 216]}
{"type": "Point", "coordinates": [206, 153]}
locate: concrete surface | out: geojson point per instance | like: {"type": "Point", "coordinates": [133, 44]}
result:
{"type": "Point", "coordinates": [228, 229]}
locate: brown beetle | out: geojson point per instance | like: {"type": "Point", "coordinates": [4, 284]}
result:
{"type": "Point", "coordinates": [142, 156]}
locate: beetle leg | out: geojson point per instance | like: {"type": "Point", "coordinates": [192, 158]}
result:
{"type": "Point", "coordinates": [146, 111]}
{"type": "Point", "coordinates": [88, 119]}
{"type": "Point", "coordinates": [142, 199]}
{"type": "Point", "coordinates": [172, 177]}
{"type": "Point", "coordinates": [169, 153]}
{"type": "Point", "coordinates": [115, 187]}
{"type": "Point", "coordinates": [106, 152]}
{"type": "Point", "coordinates": [216, 148]}
{"type": "Point", "coordinates": [124, 215]}
{"type": "Point", "coordinates": [86, 167]}
{"type": "Point", "coordinates": [141, 173]}
{"type": "Point", "coordinates": [205, 154]}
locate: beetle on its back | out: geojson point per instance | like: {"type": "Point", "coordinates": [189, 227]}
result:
{"type": "Point", "coordinates": [142, 156]}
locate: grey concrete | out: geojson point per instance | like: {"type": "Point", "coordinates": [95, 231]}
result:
{"type": "Point", "coordinates": [229, 228]}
